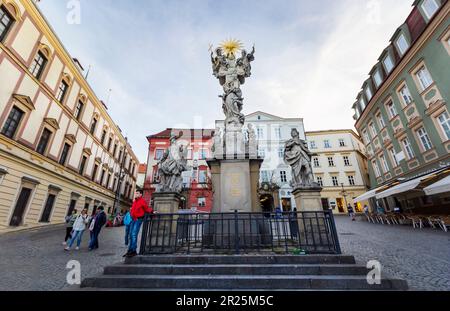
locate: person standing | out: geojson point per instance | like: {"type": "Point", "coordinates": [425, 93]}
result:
{"type": "Point", "coordinates": [351, 212]}
{"type": "Point", "coordinates": [78, 228]}
{"type": "Point", "coordinates": [96, 226]}
{"type": "Point", "coordinates": [138, 211]}
{"type": "Point", "coordinates": [127, 222]}
{"type": "Point", "coordinates": [70, 220]}
{"type": "Point", "coordinates": [366, 210]}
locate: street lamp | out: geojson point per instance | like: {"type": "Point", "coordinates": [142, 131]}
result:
{"type": "Point", "coordinates": [121, 177]}
{"type": "Point", "coordinates": [344, 194]}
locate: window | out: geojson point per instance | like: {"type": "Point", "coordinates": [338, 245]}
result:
{"type": "Point", "coordinates": [444, 121]}
{"type": "Point", "coordinates": [48, 208]}
{"type": "Point", "coordinates": [402, 44]}
{"type": "Point", "coordinates": [377, 78]}
{"type": "Point", "coordinates": [351, 180]}
{"type": "Point", "coordinates": [201, 202]}
{"type": "Point", "coordinates": [394, 156]}
{"type": "Point", "coordinates": [430, 7]}
{"type": "Point", "coordinates": [262, 153]}
{"type": "Point", "coordinates": [373, 130]}
{"type": "Point", "coordinates": [94, 172]}
{"type": "Point", "coordinates": [64, 154]}
{"type": "Point", "coordinates": [120, 155]}
{"type": "Point", "coordinates": [330, 161]}
{"type": "Point", "coordinates": [388, 64]}
{"type": "Point", "coordinates": [346, 161]}
{"type": "Point", "coordinates": [320, 181]}
{"type": "Point", "coordinates": [109, 144]}
{"type": "Point", "coordinates": [12, 123]}
{"type": "Point", "coordinates": [335, 181]}
{"type": "Point", "coordinates": [102, 176]}
{"type": "Point", "coordinates": [82, 165]}
{"type": "Point", "coordinates": [424, 78]}
{"type": "Point", "coordinates": [114, 187]}
{"type": "Point", "coordinates": [366, 136]}
{"type": "Point", "coordinates": [260, 133]}
{"type": "Point", "coordinates": [405, 95]}
{"type": "Point", "coordinates": [281, 152]}
{"type": "Point", "coordinates": [159, 154]}
{"type": "Point", "coordinates": [203, 154]}
{"type": "Point", "coordinates": [362, 104]}
{"type": "Point", "coordinates": [202, 176]}
{"type": "Point", "coordinates": [93, 126]}
{"type": "Point", "coordinates": [424, 139]}
{"type": "Point", "coordinates": [38, 65]}
{"type": "Point", "coordinates": [392, 111]}
{"type": "Point", "coordinates": [115, 149]}
{"type": "Point", "coordinates": [316, 162]}
{"type": "Point", "coordinates": [381, 120]}
{"type": "Point", "coordinates": [278, 133]}
{"type": "Point", "coordinates": [43, 141]}
{"type": "Point", "coordinates": [376, 168]}
{"type": "Point", "coordinates": [384, 163]}
{"type": "Point", "coordinates": [79, 110]}
{"type": "Point", "coordinates": [408, 148]}
{"type": "Point", "coordinates": [283, 176]}
{"type": "Point", "coordinates": [6, 22]}
{"type": "Point", "coordinates": [368, 93]}
{"type": "Point", "coordinates": [264, 176]}
{"type": "Point", "coordinates": [312, 145]}
{"type": "Point", "coordinates": [62, 90]}
{"type": "Point", "coordinates": [341, 142]}
{"type": "Point", "coordinates": [108, 180]}
{"type": "Point", "coordinates": [326, 143]}
{"type": "Point", "coordinates": [102, 140]}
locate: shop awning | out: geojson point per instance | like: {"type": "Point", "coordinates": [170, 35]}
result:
{"type": "Point", "coordinates": [369, 194]}
{"type": "Point", "coordinates": [404, 187]}
{"type": "Point", "coordinates": [441, 186]}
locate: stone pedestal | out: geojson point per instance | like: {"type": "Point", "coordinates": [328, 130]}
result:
{"type": "Point", "coordinates": [164, 227]}
{"type": "Point", "coordinates": [235, 185]}
{"type": "Point", "coordinates": [308, 199]}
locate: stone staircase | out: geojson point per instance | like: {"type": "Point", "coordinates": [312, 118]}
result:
{"type": "Point", "coordinates": [238, 272]}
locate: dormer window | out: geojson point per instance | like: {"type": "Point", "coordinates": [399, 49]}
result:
{"type": "Point", "coordinates": [368, 93]}
{"type": "Point", "coordinates": [362, 104]}
{"type": "Point", "coordinates": [388, 64]}
{"type": "Point", "coordinates": [402, 44]}
{"type": "Point", "coordinates": [430, 7]}
{"type": "Point", "coordinates": [377, 78]}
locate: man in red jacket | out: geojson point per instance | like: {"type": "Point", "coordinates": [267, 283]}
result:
{"type": "Point", "coordinates": [137, 212]}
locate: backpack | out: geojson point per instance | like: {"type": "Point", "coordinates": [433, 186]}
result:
{"type": "Point", "coordinates": [127, 220]}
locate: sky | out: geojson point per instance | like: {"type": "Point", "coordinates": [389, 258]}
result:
{"type": "Point", "coordinates": [312, 57]}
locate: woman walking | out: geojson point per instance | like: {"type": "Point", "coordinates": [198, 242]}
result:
{"type": "Point", "coordinates": [78, 228]}
{"type": "Point", "coordinates": [70, 220]}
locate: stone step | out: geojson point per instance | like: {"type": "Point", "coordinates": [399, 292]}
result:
{"type": "Point", "coordinates": [236, 269]}
{"type": "Point", "coordinates": [243, 282]}
{"type": "Point", "coordinates": [242, 259]}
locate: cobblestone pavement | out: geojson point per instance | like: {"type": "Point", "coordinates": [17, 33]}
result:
{"type": "Point", "coordinates": [36, 260]}
{"type": "Point", "coordinates": [422, 257]}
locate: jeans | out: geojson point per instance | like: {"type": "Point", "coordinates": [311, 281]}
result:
{"type": "Point", "coordinates": [68, 233]}
{"type": "Point", "coordinates": [134, 232]}
{"type": "Point", "coordinates": [94, 239]}
{"type": "Point", "coordinates": [77, 235]}
{"type": "Point", "coordinates": [127, 234]}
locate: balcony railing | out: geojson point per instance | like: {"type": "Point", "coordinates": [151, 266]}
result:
{"type": "Point", "coordinates": [228, 233]}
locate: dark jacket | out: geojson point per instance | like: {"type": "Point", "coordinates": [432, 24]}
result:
{"type": "Point", "coordinates": [100, 220]}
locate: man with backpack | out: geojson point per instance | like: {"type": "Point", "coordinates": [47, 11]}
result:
{"type": "Point", "coordinates": [96, 226]}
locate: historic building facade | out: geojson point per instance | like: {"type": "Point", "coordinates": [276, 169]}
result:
{"type": "Point", "coordinates": [340, 167]}
{"type": "Point", "coordinates": [402, 111]}
{"type": "Point", "coordinates": [197, 189]}
{"type": "Point", "coordinates": [272, 133]}
{"type": "Point", "coordinates": [59, 148]}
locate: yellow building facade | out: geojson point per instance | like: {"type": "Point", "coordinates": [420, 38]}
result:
{"type": "Point", "coordinates": [59, 148]}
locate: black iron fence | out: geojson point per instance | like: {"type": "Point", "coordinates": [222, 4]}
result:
{"type": "Point", "coordinates": [225, 233]}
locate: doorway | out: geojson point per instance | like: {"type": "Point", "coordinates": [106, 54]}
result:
{"type": "Point", "coordinates": [72, 205]}
{"type": "Point", "coordinates": [286, 204]}
{"type": "Point", "coordinates": [340, 205]}
{"type": "Point", "coordinates": [21, 205]}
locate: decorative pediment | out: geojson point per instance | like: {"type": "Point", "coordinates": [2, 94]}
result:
{"type": "Point", "coordinates": [52, 122]}
{"type": "Point", "coordinates": [98, 160]}
{"type": "Point", "coordinates": [24, 100]}
{"type": "Point", "coordinates": [105, 166]}
{"type": "Point", "coordinates": [87, 151]}
{"type": "Point", "coordinates": [71, 138]}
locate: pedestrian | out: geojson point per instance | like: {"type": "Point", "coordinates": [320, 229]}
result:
{"type": "Point", "coordinates": [366, 210]}
{"type": "Point", "coordinates": [138, 211]}
{"type": "Point", "coordinates": [78, 228]}
{"type": "Point", "coordinates": [127, 222]}
{"type": "Point", "coordinates": [96, 226]}
{"type": "Point", "coordinates": [70, 219]}
{"type": "Point", "coordinates": [351, 212]}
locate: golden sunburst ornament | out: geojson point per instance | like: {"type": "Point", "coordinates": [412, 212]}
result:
{"type": "Point", "coordinates": [231, 46]}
